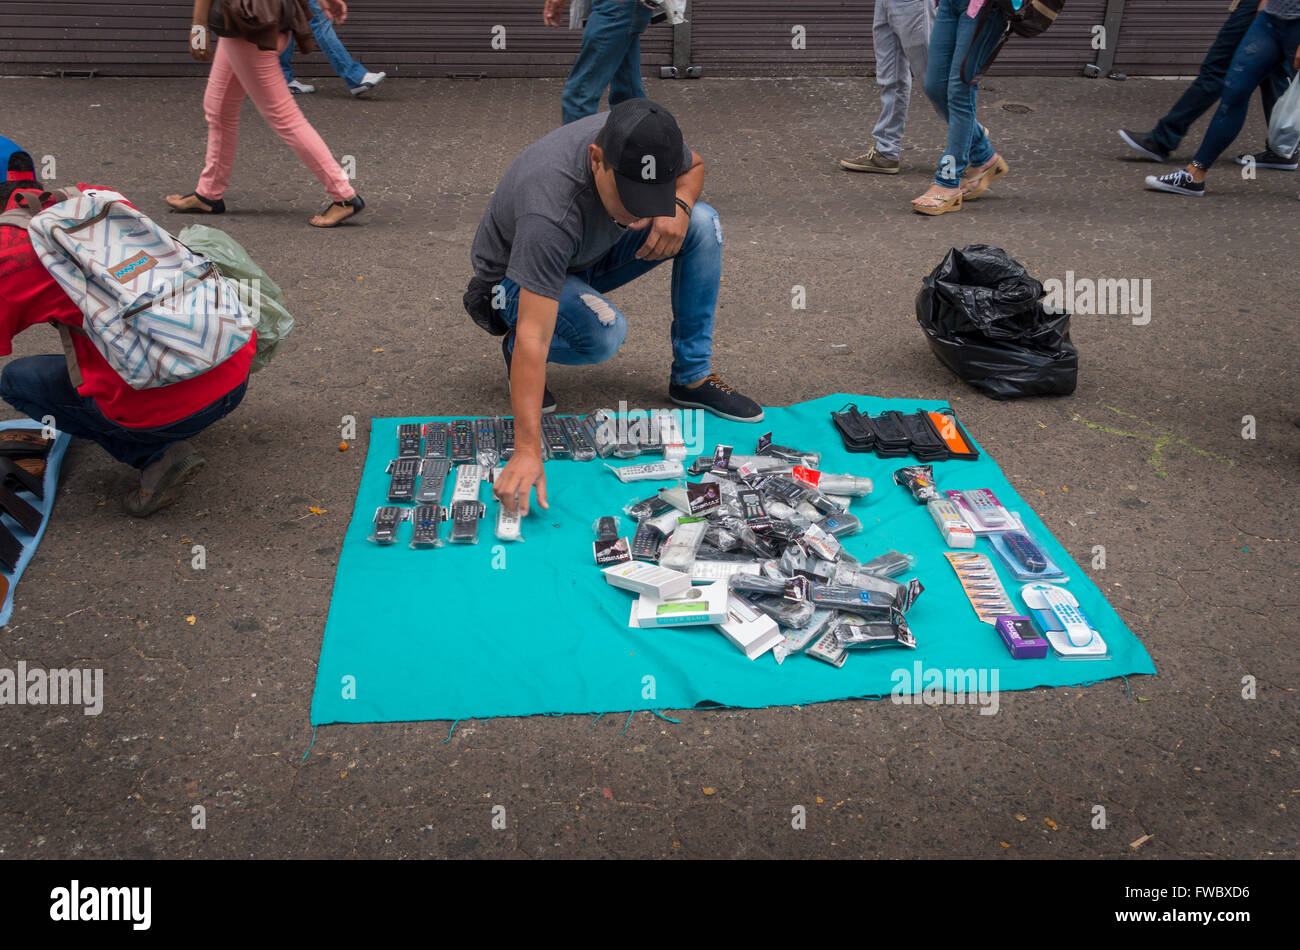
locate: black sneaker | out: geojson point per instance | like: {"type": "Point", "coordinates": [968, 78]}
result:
{"type": "Point", "coordinates": [507, 346]}
{"type": "Point", "coordinates": [1178, 183]}
{"type": "Point", "coordinates": [718, 398]}
{"type": "Point", "coordinates": [1271, 159]}
{"type": "Point", "coordinates": [1143, 143]}
{"type": "Point", "coordinates": [162, 482]}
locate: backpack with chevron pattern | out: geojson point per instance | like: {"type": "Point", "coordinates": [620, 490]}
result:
{"type": "Point", "coordinates": [158, 312]}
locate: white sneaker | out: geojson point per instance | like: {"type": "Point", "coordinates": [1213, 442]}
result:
{"type": "Point", "coordinates": [368, 81]}
{"type": "Point", "coordinates": [300, 88]}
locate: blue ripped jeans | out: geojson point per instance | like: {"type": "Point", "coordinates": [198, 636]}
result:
{"type": "Point", "coordinates": [1270, 41]}
{"type": "Point", "coordinates": [953, 36]}
{"type": "Point", "coordinates": [590, 329]}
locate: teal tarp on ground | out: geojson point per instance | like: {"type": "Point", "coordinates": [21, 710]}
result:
{"type": "Point", "coordinates": [445, 634]}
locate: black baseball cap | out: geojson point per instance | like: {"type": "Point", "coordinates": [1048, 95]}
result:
{"type": "Point", "coordinates": [643, 145]}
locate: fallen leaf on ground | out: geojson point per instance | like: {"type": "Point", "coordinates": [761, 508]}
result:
{"type": "Point", "coordinates": [1140, 842]}
{"type": "Point", "coordinates": [1022, 817]}
{"type": "Point", "coordinates": [191, 620]}
{"type": "Point", "coordinates": [1049, 823]}
{"type": "Point", "coordinates": [318, 511]}
{"type": "Point", "coordinates": [709, 791]}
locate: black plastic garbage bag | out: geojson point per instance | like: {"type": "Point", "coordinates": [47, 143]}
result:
{"type": "Point", "coordinates": [985, 320]}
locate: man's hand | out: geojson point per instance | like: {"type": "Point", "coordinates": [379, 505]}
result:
{"type": "Point", "coordinates": [665, 237]}
{"type": "Point", "coordinates": [522, 472]}
{"type": "Point", "coordinates": [553, 12]}
{"type": "Point", "coordinates": [336, 10]}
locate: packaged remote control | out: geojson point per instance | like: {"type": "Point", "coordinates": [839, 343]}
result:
{"type": "Point", "coordinates": [461, 441]}
{"type": "Point", "coordinates": [408, 441]}
{"type": "Point", "coordinates": [435, 440]}
{"type": "Point", "coordinates": [796, 639]}
{"type": "Point", "coordinates": [647, 542]}
{"type": "Point", "coordinates": [505, 433]}
{"type": "Point", "coordinates": [465, 517]}
{"type": "Point", "coordinates": [425, 520]}
{"type": "Point", "coordinates": [827, 648]}
{"type": "Point", "coordinates": [553, 437]}
{"type": "Point", "coordinates": [889, 564]}
{"type": "Point", "coordinates": [785, 612]}
{"type": "Point", "coordinates": [679, 551]}
{"type": "Point", "coordinates": [468, 479]}
{"type": "Point", "coordinates": [956, 532]}
{"type": "Point", "coordinates": [752, 508]}
{"type": "Point", "coordinates": [387, 518]}
{"type": "Point", "coordinates": [713, 569]}
{"type": "Point", "coordinates": [507, 526]}
{"type": "Point", "coordinates": [855, 600]}
{"type": "Point", "coordinates": [767, 447]}
{"type": "Point", "coordinates": [433, 476]}
{"type": "Point", "coordinates": [647, 508]}
{"type": "Point", "coordinates": [402, 474]}
{"type": "Point", "coordinates": [485, 442]}
{"type": "Point", "coordinates": [1066, 627]}
{"type": "Point", "coordinates": [652, 471]}
{"type": "Point", "coordinates": [981, 510]}
{"type": "Point", "coordinates": [584, 450]}
{"type": "Point", "coordinates": [853, 634]}
{"type": "Point", "coordinates": [601, 427]}
{"type": "Point", "coordinates": [1025, 557]}
{"type": "Point", "coordinates": [672, 442]}
{"type": "Point", "coordinates": [840, 525]}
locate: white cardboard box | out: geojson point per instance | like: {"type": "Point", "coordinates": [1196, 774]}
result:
{"type": "Point", "coordinates": [702, 605]}
{"type": "Point", "coordinates": [749, 629]}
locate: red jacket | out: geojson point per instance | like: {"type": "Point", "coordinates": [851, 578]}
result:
{"type": "Point", "coordinates": [29, 295]}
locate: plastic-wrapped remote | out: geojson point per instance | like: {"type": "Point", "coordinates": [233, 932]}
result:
{"type": "Point", "coordinates": [705, 569]}
{"type": "Point", "coordinates": [505, 432]}
{"type": "Point", "coordinates": [465, 516]}
{"type": "Point", "coordinates": [1066, 609]}
{"type": "Point", "coordinates": [828, 649]}
{"type": "Point", "coordinates": [387, 519]}
{"type": "Point", "coordinates": [956, 532]}
{"type": "Point", "coordinates": [1025, 551]}
{"type": "Point", "coordinates": [648, 508]}
{"type": "Point", "coordinates": [408, 441]}
{"type": "Point", "coordinates": [435, 440]}
{"type": "Point", "coordinates": [659, 471]}
{"type": "Point", "coordinates": [600, 429]}
{"type": "Point", "coordinates": [468, 478]}
{"type": "Point", "coordinates": [646, 542]}
{"type": "Point", "coordinates": [461, 438]}
{"type": "Point", "coordinates": [986, 506]}
{"type": "Point", "coordinates": [507, 524]}
{"type": "Point", "coordinates": [553, 437]}
{"type": "Point", "coordinates": [583, 448]}
{"type": "Point", "coordinates": [401, 483]}
{"type": "Point", "coordinates": [425, 520]}
{"type": "Point", "coordinates": [433, 476]}
{"type": "Point", "coordinates": [485, 441]}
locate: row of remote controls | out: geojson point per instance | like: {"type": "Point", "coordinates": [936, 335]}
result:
{"type": "Point", "coordinates": [489, 441]}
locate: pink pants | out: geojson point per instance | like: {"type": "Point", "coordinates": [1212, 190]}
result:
{"type": "Point", "coordinates": [239, 68]}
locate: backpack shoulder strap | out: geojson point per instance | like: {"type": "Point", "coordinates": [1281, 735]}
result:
{"type": "Point", "coordinates": [28, 204]}
{"type": "Point", "coordinates": [979, 27]}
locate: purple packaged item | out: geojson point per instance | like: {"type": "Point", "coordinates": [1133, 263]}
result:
{"type": "Point", "coordinates": [1020, 637]}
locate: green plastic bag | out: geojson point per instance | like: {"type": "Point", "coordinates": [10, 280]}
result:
{"type": "Point", "coordinates": [257, 292]}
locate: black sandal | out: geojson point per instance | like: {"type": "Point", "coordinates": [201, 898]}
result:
{"type": "Point", "coordinates": [355, 203]}
{"type": "Point", "coordinates": [216, 206]}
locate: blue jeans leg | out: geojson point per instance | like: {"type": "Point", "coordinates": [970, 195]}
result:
{"type": "Point", "coordinates": [286, 61]}
{"type": "Point", "coordinates": [39, 386]}
{"type": "Point", "coordinates": [590, 329]}
{"type": "Point", "coordinates": [954, 36]}
{"type": "Point", "coordinates": [610, 54]}
{"type": "Point", "coordinates": [341, 61]}
{"type": "Point", "coordinates": [1265, 44]}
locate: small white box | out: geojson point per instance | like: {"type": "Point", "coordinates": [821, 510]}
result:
{"type": "Point", "coordinates": [642, 578]}
{"type": "Point", "coordinates": [699, 606]}
{"type": "Point", "coordinates": [749, 629]}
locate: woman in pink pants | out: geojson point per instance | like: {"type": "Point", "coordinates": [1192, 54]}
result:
{"type": "Point", "coordinates": [252, 67]}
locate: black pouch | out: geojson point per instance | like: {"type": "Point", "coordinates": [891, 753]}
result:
{"type": "Point", "coordinates": [478, 304]}
{"type": "Point", "coordinates": [926, 444]}
{"type": "Point", "coordinates": [892, 440]}
{"type": "Point", "coordinates": [854, 428]}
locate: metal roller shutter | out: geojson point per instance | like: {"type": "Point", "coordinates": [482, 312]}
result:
{"type": "Point", "coordinates": [1169, 38]}
{"type": "Point", "coordinates": [403, 37]}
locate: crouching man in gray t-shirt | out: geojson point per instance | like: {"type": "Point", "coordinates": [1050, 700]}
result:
{"type": "Point", "coordinates": [591, 206]}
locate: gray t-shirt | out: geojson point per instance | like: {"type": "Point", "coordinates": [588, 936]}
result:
{"type": "Point", "coordinates": [545, 219]}
{"type": "Point", "coordinates": [1283, 9]}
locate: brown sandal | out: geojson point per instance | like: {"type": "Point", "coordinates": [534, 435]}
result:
{"type": "Point", "coordinates": [980, 183]}
{"type": "Point", "coordinates": [937, 204]}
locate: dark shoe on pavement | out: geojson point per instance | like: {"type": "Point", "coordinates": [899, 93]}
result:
{"type": "Point", "coordinates": [507, 348]}
{"type": "Point", "coordinates": [1271, 159]}
{"type": "Point", "coordinates": [873, 161]}
{"type": "Point", "coordinates": [161, 483]}
{"type": "Point", "coordinates": [1144, 144]}
{"type": "Point", "coordinates": [718, 398]}
{"type": "Point", "coordinates": [1178, 183]}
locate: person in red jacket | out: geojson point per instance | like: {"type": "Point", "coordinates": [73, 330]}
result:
{"type": "Point", "coordinates": [147, 429]}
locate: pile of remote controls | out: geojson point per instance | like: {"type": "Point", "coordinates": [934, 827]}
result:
{"type": "Point", "coordinates": [761, 534]}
